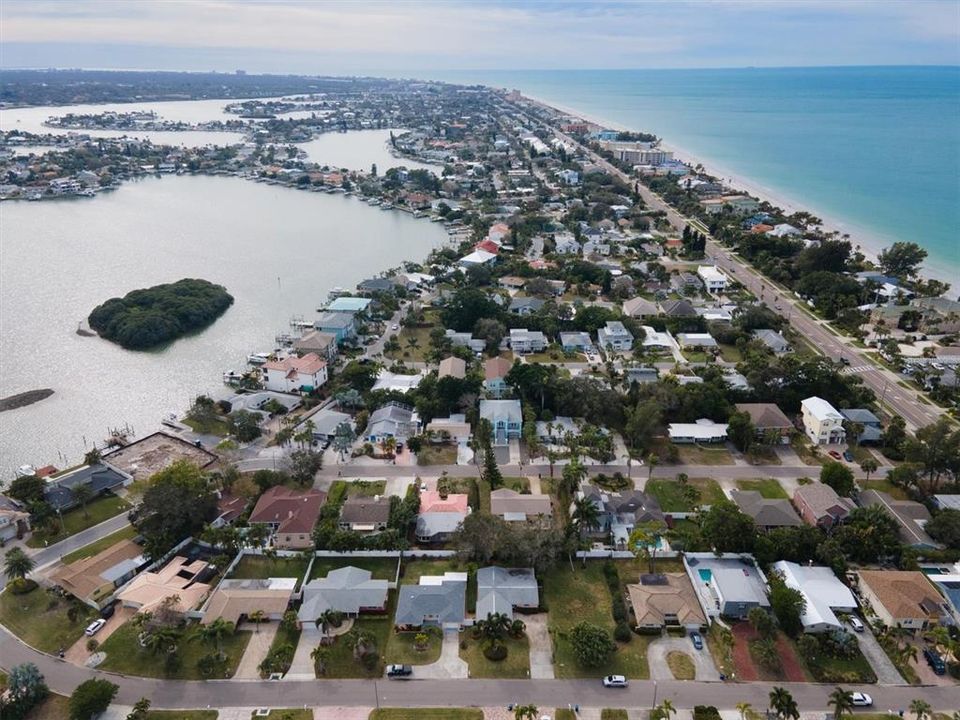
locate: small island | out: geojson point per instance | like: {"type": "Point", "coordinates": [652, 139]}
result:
{"type": "Point", "coordinates": [145, 318]}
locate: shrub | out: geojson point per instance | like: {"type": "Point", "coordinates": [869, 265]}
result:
{"type": "Point", "coordinates": [613, 714]}
{"type": "Point", "coordinates": [705, 712]}
{"type": "Point", "coordinates": [21, 586]}
{"type": "Point", "coordinates": [495, 651]}
{"type": "Point", "coordinates": [622, 633]}
{"type": "Point", "coordinates": [93, 644]}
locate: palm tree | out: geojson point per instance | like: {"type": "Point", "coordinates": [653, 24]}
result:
{"type": "Point", "coordinates": [82, 494]}
{"type": "Point", "coordinates": [783, 704]}
{"type": "Point", "coordinates": [842, 703]}
{"type": "Point", "coordinates": [585, 516]}
{"type": "Point", "coordinates": [665, 710]}
{"type": "Point", "coordinates": [162, 639]}
{"type": "Point", "coordinates": [525, 712]}
{"type": "Point", "coordinates": [744, 709]}
{"type": "Point", "coordinates": [869, 466]}
{"type": "Point", "coordinates": [389, 445]}
{"type": "Point", "coordinates": [652, 462]}
{"type": "Point", "coordinates": [320, 655]}
{"type": "Point", "coordinates": [359, 641]}
{"type": "Point", "coordinates": [257, 617]}
{"type": "Point", "coordinates": [921, 709]}
{"type": "Point", "coordinates": [517, 628]}
{"type": "Point", "coordinates": [17, 564]}
{"type": "Point", "coordinates": [214, 633]}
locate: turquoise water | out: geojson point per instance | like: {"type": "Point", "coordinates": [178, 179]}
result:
{"type": "Point", "coordinates": [705, 575]}
{"type": "Point", "coordinates": [876, 149]}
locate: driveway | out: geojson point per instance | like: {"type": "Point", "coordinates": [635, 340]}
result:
{"type": "Point", "coordinates": [925, 672]}
{"type": "Point", "coordinates": [78, 653]}
{"type": "Point", "coordinates": [541, 648]}
{"type": "Point", "coordinates": [449, 665]}
{"type": "Point", "coordinates": [256, 651]}
{"type": "Point", "coordinates": [301, 668]}
{"type": "Point", "coordinates": [885, 670]}
{"type": "Point", "coordinates": [657, 658]}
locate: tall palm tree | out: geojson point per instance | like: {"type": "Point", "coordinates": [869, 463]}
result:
{"type": "Point", "coordinates": [17, 564]}
{"type": "Point", "coordinates": [214, 633]}
{"type": "Point", "coordinates": [921, 709]}
{"type": "Point", "coordinates": [744, 709]}
{"type": "Point", "coordinates": [585, 516]}
{"type": "Point", "coordinates": [842, 703]}
{"type": "Point", "coordinates": [82, 494]}
{"type": "Point", "coordinates": [667, 709]}
{"type": "Point", "coordinates": [525, 712]}
{"type": "Point", "coordinates": [783, 704]}
{"type": "Point", "coordinates": [320, 655]}
{"type": "Point", "coordinates": [162, 639]}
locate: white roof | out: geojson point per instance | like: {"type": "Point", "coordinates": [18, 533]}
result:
{"type": "Point", "coordinates": [702, 429]}
{"type": "Point", "coordinates": [654, 338]}
{"type": "Point", "coordinates": [477, 257]}
{"type": "Point", "coordinates": [711, 273]}
{"type": "Point", "coordinates": [821, 409]}
{"type": "Point", "coordinates": [387, 380]}
{"type": "Point", "coordinates": [821, 590]}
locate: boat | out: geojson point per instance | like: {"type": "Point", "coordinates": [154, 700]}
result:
{"type": "Point", "coordinates": [386, 206]}
{"type": "Point", "coordinates": [336, 292]}
{"type": "Point", "coordinates": [258, 358]}
{"type": "Point", "coordinates": [33, 197]}
{"type": "Point", "coordinates": [373, 201]}
{"type": "Point", "coordinates": [87, 193]}
{"type": "Point", "coordinates": [170, 420]}
{"type": "Point", "coordinates": [232, 377]}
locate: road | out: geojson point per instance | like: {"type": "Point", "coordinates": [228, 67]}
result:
{"type": "Point", "coordinates": [901, 401]}
{"type": "Point", "coordinates": [173, 694]}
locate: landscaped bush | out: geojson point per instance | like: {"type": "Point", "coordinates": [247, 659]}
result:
{"type": "Point", "coordinates": [613, 483]}
{"type": "Point", "coordinates": [21, 586]}
{"type": "Point", "coordinates": [622, 633]}
{"type": "Point", "coordinates": [495, 651]}
{"type": "Point", "coordinates": [705, 712]}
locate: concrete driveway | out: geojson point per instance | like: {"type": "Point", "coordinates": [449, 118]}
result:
{"type": "Point", "coordinates": [449, 665]}
{"type": "Point", "coordinates": [301, 668]}
{"type": "Point", "coordinates": [885, 670]}
{"type": "Point", "coordinates": [260, 640]}
{"type": "Point", "coordinates": [541, 648]}
{"type": "Point", "coordinates": [657, 658]}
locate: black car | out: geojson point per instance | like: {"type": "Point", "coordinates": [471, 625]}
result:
{"type": "Point", "coordinates": [935, 662]}
{"type": "Point", "coordinates": [399, 671]}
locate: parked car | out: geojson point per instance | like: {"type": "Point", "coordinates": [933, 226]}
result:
{"type": "Point", "coordinates": [835, 455]}
{"type": "Point", "coordinates": [861, 699]}
{"type": "Point", "coordinates": [615, 681]}
{"type": "Point", "coordinates": [935, 661]}
{"type": "Point", "coordinates": [394, 327]}
{"type": "Point", "coordinates": [696, 640]}
{"type": "Point", "coordinates": [856, 624]}
{"type": "Point", "coordinates": [107, 612]}
{"type": "Point", "coordinates": [399, 671]}
{"type": "Point", "coordinates": [845, 361]}
{"type": "Point", "coordinates": [848, 456]}
{"type": "Point", "coordinates": [94, 627]}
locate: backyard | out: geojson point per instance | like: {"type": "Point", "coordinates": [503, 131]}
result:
{"type": "Point", "coordinates": [673, 497]}
{"type": "Point", "coordinates": [259, 567]}
{"type": "Point", "coordinates": [382, 568]}
{"type": "Point", "coordinates": [42, 620]}
{"type": "Point", "coordinates": [515, 666]}
{"type": "Point", "coordinates": [769, 488]}
{"type": "Point", "coordinates": [77, 519]}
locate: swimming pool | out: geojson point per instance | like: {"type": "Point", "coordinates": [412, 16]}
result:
{"type": "Point", "coordinates": [705, 575]}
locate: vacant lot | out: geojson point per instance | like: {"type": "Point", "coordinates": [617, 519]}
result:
{"type": "Point", "coordinates": [41, 619]}
{"type": "Point", "coordinates": [674, 498]}
{"type": "Point", "coordinates": [103, 508]}
{"type": "Point", "coordinates": [437, 454]}
{"type": "Point", "coordinates": [768, 488]}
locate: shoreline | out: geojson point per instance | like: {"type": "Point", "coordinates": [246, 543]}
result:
{"type": "Point", "coordinates": [867, 241]}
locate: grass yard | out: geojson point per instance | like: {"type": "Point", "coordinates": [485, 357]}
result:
{"type": "Point", "coordinates": [763, 455]}
{"type": "Point", "coordinates": [417, 351]}
{"type": "Point", "coordinates": [720, 644]}
{"type": "Point", "coordinates": [578, 596]}
{"type": "Point", "coordinates": [103, 508]}
{"type": "Point", "coordinates": [681, 665]}
{"type": "Point", "coordinates": [182, 715]}
{"type": "Point", "coordinates": [382, 568]}
{"type": "Point", "coordinates": [259, 567]}
{"type": "Point", "coordinates": [341, 662]}
{"type": "Point", "coordinates": [803, 448]}
{"type": "Point", "coordinates": [414, 569]}
{"type": "Point", "coordinates": [767, 487]}
{"type": "Point", "coordinates": [283, 637]}
{"type": "Point", "coordinates": [40, 619]}
{"type": "Point", "coordinates": [700, 455]}
{"type": "Point", "coordinates": [670, 493]}
{"type": "Point", "coordinates": [883, 485]}
{"type": "Point", "coordinates": [216, 426]}
{"type": "Point", "coordinates": [401, 650]}
{"type": "Point", "coordinates": [730, 353]}
{"type": "Point", "coordinates": [127, 533]}
{"type": "Point", "coordinates": [613, 714]}
{"type": "Point", "coordinates": [437, 455]}
{"type": "Point", "coordinates": [427, 714]}
{"type": "Point", "coordinates": [124, 654]}
{"type": "Point", "coordinates": [839, 670]}
{"type": "Point", "coordinates": [366, 488]}
{"type": "Point", "coordinates": [53, 707]}
{"type": "Point", "coordinates": [515, 666]}
{"type": "Point", "coordinates": [288, 714]}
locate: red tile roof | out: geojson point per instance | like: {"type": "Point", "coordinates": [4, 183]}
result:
{"type": "Point", "coordinates": [309, 364]}
{"type": "Point", "coordinates": [294, 511]}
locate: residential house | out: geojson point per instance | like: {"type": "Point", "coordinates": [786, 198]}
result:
{"type": "Point", "coordinates": [318, 343]}
{"type": "Point", "coordinates": [341, 325]}
{"type": "Point", "coordinates": [372, 286]}
{"type": "Point", "coordinates": [440, 516]}
{"type": "Point", "coordinates": [773, 340]}
{"type": "Point", "coordinates": [500, 591]}
{"type": "Point", "coordinates": [642, 375]}
{"type": "Point", "coordinates": [821, 421]}
{"type": "Point", "coordinates": [767, 513]}
{"type": "Point", "coordinates": [290, 515]}
{"type": "Point", "coordinates": [823, 594]}
{"type": "Point", "coordinates": [566, 244]}
{"type": "Point", "coordinates": [397, 382]}
{"type": "Point", "coordinates": [477, 258]}
{"type": "Point", "coordinates": [768, 420]}
{"type": "Point", "coordinates": [392, 420]}
{"type": "Point", "coordinates": [454, 428]}
{"type": "Point", "coordinates": [520, 507]}
{"type": "Point", "coordinates": [665, 600]}
{"type": "Point", "coordinates": [229, 508]}
{"type": "Point", "coordinates": [463, 339]}
{"type": "Point", "coordinates": [820, 506]}
{"type": "Point", "coordinates": [357, 305]}
{"type": "Point", "coordinates": [236, 599]}
{"type": "Point", "coordinates": [620, 512]}
{"type": "Point", "coordinates": [714, 279]}
{"type": "Point", "coordinates": [696, 340]}
{"type": "Point", "coordinates": [947, 502]}
{"type": "Point", "coordinates": [872, 429]}
{"type": "Point", "coordinates": [728, 585]}
{"type": "Point", "coordinates": [93, 580]}
{"type": "Point", "coordinates": [783, 230]}
{"type": "Point", "coordinates": [505, 417]}
{"type": "Point", "coordinates": [437, 601]}
{"type": "Point", "coordinates": [525, 341]}
{"type": "Point", "coordinates": [99, 478]}
{"type": "Point", "coordinates": [512, 282]}
{"type": "Point", "coordinates": [452, 367]}
{"type": "Point", "coordinates": [524, 306]}
{"type": "Point", "coordinates": [14, 519]}
{"type": "Point", "coordinates": [614, 337]}
{"type": "Point", "coordinates": [494, 376]}
{"type": "Point", "coordinates": [902, 598]}
{"type": "Point", "coordinates": [180, 578]}
{"type": "Point", "coordinates": [554, 432]}
{"type": "Point", "coordinates": [684, 282]}
{"type": "Point", "coordinates": [349, 590]}
{"type": "Point", "coordinates": [575, 341]}
{"type": "Point", "coordinates": [703, 430]}
{"type": "Point", "coordinates": [639, 307]}
{"type": "Point", "coordinates": [569, 177]}
{"type": "Point", "coordinates": [677, 308]}
{"type": "Point", "coordinates": [366, 515]}
{"type": "Point", "coordinates": [326, 422]}
{"type": "Point", "coordinates": [910, 515]}
{"type": "Point", "coordinates": [295, 374]}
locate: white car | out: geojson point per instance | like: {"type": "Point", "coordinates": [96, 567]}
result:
{"type": "Point", "coordinates": [394, 327]}
{"type": "Point", "coordinates": [94, 627]}
{"type": "Point", "coordinates": [861, 699]}
{"type": "Point", "coordinates": [855, 623]}
{"type": "Point", "coordinates": [615, 681]}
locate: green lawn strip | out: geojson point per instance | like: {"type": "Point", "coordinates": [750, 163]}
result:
{"type": "Point", "coordinates": [103, 508]}
{"type": "Point", "coordinates": [838, 670]}
{"type": "Point", "coordinates": [670, 493]}
{"type": "Point", "coordinates": [731, 353]}
{"type": "Point", "coordinates": [124, 654]}
{"type": "Point", "coordinates": [437, 455]}
{"type": "Point", "coordinates": [564, 714]}
{"type": "Point", "coordinates": [382, 568]}
{"type": "Point", "coordinates": [767, 487]}
{"type": "Point", "coordinates": [288, 714]}
{"type": "Point", "coordinates": [401, 649]}
{"type": "Point", "coordinates": [284, 637]}
{"type": "Point", "coordinates": [515, 666]}
{"type": "Point", "coordinates": [698, 455]}
{"type": "Point", "coordinates": [260, 567]}
{"type": "Point", "coordinates": [581, 595]}
{"type": "Point", "coordinates": [681, 665]}
{"type": "Point", "coordinates": [613, 714]}
{"type": "Point", "coordinates": [127, 533]}
{"type": "Point", "coordinates": [886, 486]}
{"type": "Point", "coordinates": [720, 643]}
{"type": "Point", "coordinates": [40, 619]}
{"type": "Point", "coordinates": [182, 715]}
{"type": "Point", "coordinates": [366, 488]}
{"type": "Point", "coordinates": [427, 714]}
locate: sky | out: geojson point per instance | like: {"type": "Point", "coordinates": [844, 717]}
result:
{"type": "Point", "coordinates": [406, 36]}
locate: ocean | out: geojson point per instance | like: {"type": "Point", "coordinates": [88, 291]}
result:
{"type": "Point", "coordinates": [873, 150]}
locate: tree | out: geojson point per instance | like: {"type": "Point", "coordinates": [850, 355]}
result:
{"type": "Point", "coordinates": [643, 422]}
{"type": "Point", "coordinates": [921, 709]}
{"type": "Point", "coordinates": [92, 457]}
{"type": "Point", "coordinates": [783, 704]}
{"type": "Point", "coordinates": [162, 640]}
{"type": "Point", "coordinates": [869, 534]}
{"type": "Point", "coordinates": [838, 476]}
{"type": "Point", "coordinates": [244, 425]}
{"type": "Point", "coordinates": [585, 517]}
{"type": "Point", "coordinates": [740, 430]}
{"type": "Point", "coordinates": [744, 708]}
{"type": "Point", "coordinates": [727, 529]}
{"type": "Point", "coordinates": [902, 259]}
{"type": "Point", "coordinates": [82, 494]}
{"type": "Point", "coordinates": [491, 331]}
{"type": "Point", "coordinates": [17, 564]}
{"type": "Point", "coordinates": [762, 622]}
{"type": "Point", "coordinates": [25, 687]}
{"type": "Point", "coordinates": [936, 449]}
{"type": "Point", "coordinates": [257, 617]}
{"type": "Point", "coordinates": [943, 527]}
{"type": "Point", "coordinates": [573, 474]}
{"type": "Point", "coordinates": [525, 712]}
{"type": "Point", "coordinates": [177, 504]}
{"type": "Point", "coordinates": [842, 703]}
{"type": "Point", "coordinates": [140, 709]}
{"type": "Point", "coordinates": [27, 489]}
{"type": "Point", "coordinates": [644, 540]}
{"type": "Point", "coordinates": [304, 464]}
{"type": "Point", "coordinates": [90, 698]}
{"type": "Point", "coordinates": [591, 644]}
{"type": "Point", "coordinates": [320, 656]}
{"type": "Point", "coordinates": [214, 633]}
{"type": "Point", "coordinates": [663, 711]}
{"type": "Point", "coordinates": [787, 604]}
{"type": "Point", "coordinates": [869, 466]}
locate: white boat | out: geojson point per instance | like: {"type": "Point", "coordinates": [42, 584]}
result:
{"type": "Point", "coordinates": [373, 201]}
{"type": "Point", "coordinates": [258, 358]}
{"type": "Point", "coordinates": [336, 292]}
{"type": "Point", "coordinates": [386, 206]}
{"type": "Point", "coordinates": [232, 376]}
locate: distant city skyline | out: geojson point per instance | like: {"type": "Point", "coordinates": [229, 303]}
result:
{"type": "Point", "coordinates": [416, 37]}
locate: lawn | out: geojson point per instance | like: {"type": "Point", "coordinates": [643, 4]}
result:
{"type": "Point", "coordinates": [767, 487]}
{"type": "Point", "coordinates": [103, 508]}
{"type": "Point", "coordinates": [366, 488]}
{"type": "Point", "coordinates": [700, 455]}
{"type": "Point", "coordinates": [730, 353]}
{"type": "Point", "coordinates": [40, 619]}
{"type": "Point", "coordinates": [54, 707]}
{"type": "Point", "coordinates": [430, 454]}
{"type": "Point", "coordinates": [125, 655]}
{"type": "Point", "coordinates": [884, 485]}
{"type": "Point", "coordinates": [382, 568]}
{"type": "Point", "coordinates": [803, 448]}
{"type": "Point", "coordinates": [416, 352]}
{"type": "Point", "coordinates": [287, 714]}
{"type": "Point", "coordinates": [284, 636]}
{"type": "Point", "coordinates": [613, 714]}
{"type": "Point", "coordinates": [401, 650]}
{"type": "Point", "coordinates": [672, 499]}
{"type": "Point", "coordinates": [839, 670]}
{"type": "Point", "coordinates": [182, 715]}
{"type": "Point", "coordinates": [515, 666]}
{"type": "Point", "coordinates": [681, 665]}
{"type": "Point", "coordinates": [127, 533]}
{"type": "Point", "coordinates": [427, 714]}
{"type": "Point", "coordinates": [216, 426]}
{"type": "Point", "coordinates": [259, 567]}
{"type": "Point", "coordinates": [720, 643]}
{"type": "Point", "coordinates": [341, 662]}
{"type": "Point", "coordinates": [581, 595]}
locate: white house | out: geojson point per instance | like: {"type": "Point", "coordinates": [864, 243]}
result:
{"type": "Point", "coordinates": [701, 431]}
{"type": "Point", "coordinates": [527, 341]}
{"type": "Point", "coordinates": [822, 592]}
{"type": "Point", "coordinates": [477, 257]}
{"type": "Point", "coordinates": [614, 336]}
{"type": "Point", "coordinates": [822, 422]}
{"type": "Point", "coordinates": [569, 177]}
{"type": "Point", "coordinates": [713, 278]}
{"type": "Point", "coordinates": [294, 374]}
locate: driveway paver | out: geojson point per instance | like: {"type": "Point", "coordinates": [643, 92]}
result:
{"type": "Point", "coordinates": [884, 668]}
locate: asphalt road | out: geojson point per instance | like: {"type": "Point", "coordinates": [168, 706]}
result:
{"type": "Point", "coordinates": [172, 694]}
{"type": "Point", "coordinates": [899, 400]}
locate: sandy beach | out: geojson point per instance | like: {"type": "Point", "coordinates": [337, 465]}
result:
{"type": "Point", "coordinates": [867, 241]}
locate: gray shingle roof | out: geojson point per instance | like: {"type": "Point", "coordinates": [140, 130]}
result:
{"type": "Point", "coordinates": [346, 589]}
{"type": "Point", "coordinates": [499, 590]}
{"type": "Point", "coordinates": [443, 603]}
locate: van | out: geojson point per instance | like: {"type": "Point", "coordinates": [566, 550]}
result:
{"type": "Point", "coordinates": [855, 623]}
{"type": "Point", "coordinates": [94, 627]}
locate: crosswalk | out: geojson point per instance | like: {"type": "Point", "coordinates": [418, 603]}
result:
{"type": "Point", "coordinates": [856, 369]}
